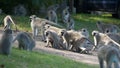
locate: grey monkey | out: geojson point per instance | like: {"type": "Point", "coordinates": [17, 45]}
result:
{"type": "Point", "coordinates": [25, 41]}
{"type": "Point", "coordinates": [6, 42]}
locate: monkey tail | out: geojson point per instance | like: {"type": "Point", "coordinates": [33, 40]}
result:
{"type": "Point", "coordinates": [113, 41]}
{"type": "Point", "coordinates": [94, 46]}
{"type": "Point", "coordinates": [54, 24]}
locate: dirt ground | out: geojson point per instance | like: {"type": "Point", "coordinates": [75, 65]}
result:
{"type": "Point", "coordinates": [40, 47]}
{"type": "Point", "coordinates": [90, 59]}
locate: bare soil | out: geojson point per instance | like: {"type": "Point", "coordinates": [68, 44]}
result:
{"type": "Point", "coordinates": [89, 59]}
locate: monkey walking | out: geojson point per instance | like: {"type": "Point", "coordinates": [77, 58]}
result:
{"type": "Point", "coordinates": [37, 24]}
{"type": "Point", "coordinates": [110, 54]}
{"type": "Point", "coordinates": [25, 41]}
{"type": "Point", "coordinates": [6, 42]}
{"type": "Point", "coordinates": [7, 21]}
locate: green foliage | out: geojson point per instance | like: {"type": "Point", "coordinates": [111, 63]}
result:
{"type": "Point", "coordinates": [32, 6]}
{"type": "Point", "coordinates": [25, 59]}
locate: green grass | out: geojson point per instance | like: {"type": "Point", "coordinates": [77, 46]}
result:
{"type": "Point", "coordinates": [89, 21]}
{"type": "Point", "coordinates": [81, 21]}
{"type": "Point", "coordinates": [25, 59]}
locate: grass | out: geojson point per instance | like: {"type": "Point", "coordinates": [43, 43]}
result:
{"type": "Point", "coordinates": [24, 59]}
{"type": "Point", "coordinates": [89, 21]}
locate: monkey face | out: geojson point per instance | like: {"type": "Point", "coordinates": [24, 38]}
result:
{"type": "Point", "coordinates": [46, 33]}
{"type": "Point", "coordinates": [96, 37]}
{"type": "Point", "coordinates": [51, 12]}
{"type": "Point", "coordinates": [84, 30]}
{"type": "Point", "coordinates": [66, 13]}
{"type": "Point", "coordinates": [107, 31]}
{"type": "Point", "coordinates": [63, 32]}
{"type": "Point", "coordinates": [95, 33]}
{"type": "Point", "coordinates": [32, 16]}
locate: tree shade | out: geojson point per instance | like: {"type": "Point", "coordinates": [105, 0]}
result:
{"type": "Point", "coordinates": [8, 5]}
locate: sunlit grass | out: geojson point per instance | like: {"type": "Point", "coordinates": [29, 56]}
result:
{"type": "Point", "coordinates": [25, 59]}
{"type": "Point", "coordinates": [89, 21]}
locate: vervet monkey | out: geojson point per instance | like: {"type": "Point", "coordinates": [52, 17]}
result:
{"type": "Point", "coordinates": [52, 16]}
{"type": "Point", "coordinates": [84, 32]}
{"type": "Point", "coordinates": [69, 36]}
{"type": "Point", "coordinates": [70, 23]}
{"type": "Point", "coordinates": [74, 39]}
{"type": "Point", "coordinates": [67, 19]}
{"type": "Point", "coordinates": [54, 39]}
{"type": "Point", "coordinates": [101, 38]}
{"type": "Point", "coordinates": [6, 42]}
{"type": "Point", "coordinates": [86, 46]}
{"type": "Point", "coordinates": [107, 28]}
{"type": "Point", "coordinates": [110, 54]}
{"type": "Point", "coordinates": [26, 42]}
{"type": "Point", "coordinates": [56, 29]}
{"type": "Point", "coordinates": [37, 24]}
{"type": "Point", "coordinates": [7, 21]}
{"type": "Point", "coordinates": [65, 14]}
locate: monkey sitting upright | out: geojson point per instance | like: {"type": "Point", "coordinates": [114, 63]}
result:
{"type": "Point", "coordinates": [52, 16]}
{"type": "Point", "coordinates": [25, 41]}
{"type": "Point", "coordinates": [37, 25]}
{"type": "Point", "coordinates": [65, 14]}
{"type": "Point", "coordinates": [6, 42]}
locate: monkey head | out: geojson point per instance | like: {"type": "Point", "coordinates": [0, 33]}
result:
{"type": "Point", "coordinates": [8, 31]}
{"type": "Point", "coordinates": [63, 32]}
{"type": "Point", "coordinates": [46, 33]}
{"type": "Point", "coordinates": [84, 30]}
{"type": "Point", "coordinates": [51, 12]}
{"type": "Point", "coordinates": [32, 17]}
{"type": "Point", "coordinates": [96, 36]}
